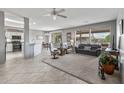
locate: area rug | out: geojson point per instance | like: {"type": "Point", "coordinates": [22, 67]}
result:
{"type": "Point", "coordinates": [84, 67]}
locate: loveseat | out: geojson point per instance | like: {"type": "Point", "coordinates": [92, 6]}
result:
{"type": "Point", "coordinates": [89, 49]}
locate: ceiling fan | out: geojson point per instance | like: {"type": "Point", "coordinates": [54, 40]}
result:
{"type": "Point", "coordinates": [56, 13]}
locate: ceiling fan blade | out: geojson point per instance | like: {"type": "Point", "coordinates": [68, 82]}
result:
{"type": "Point", "coordinates": [62, 16]}
{"type": "Point", "coordinates": [60, 11]}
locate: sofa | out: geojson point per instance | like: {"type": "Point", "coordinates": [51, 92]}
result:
{"type": "Point", "coordinates": [89, 49]}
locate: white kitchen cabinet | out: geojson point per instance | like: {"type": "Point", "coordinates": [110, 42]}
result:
{"type": "Point", "coordinates": [22, 47]}
{"type": "Point", "coordinates": [9, 47]}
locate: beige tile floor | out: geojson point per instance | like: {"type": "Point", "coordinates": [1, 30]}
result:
{"type": "Point", "coordinates": [12, 55]}
{"type": "Point", "coordinates": [83, 68]}
{"type": "Point", "coordinates": [18, 70]}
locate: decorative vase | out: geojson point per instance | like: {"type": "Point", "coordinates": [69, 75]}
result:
{"type": "Point", "coordinates": [109, 68]}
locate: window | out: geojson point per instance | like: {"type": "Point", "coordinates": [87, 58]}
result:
{"type": "Point", "coordinates": [56, 38]}
{"type": "Point", "coordinates": [82, 37]}
{"type": "Point", "coordinates": [96, 37]}
{"type": "Point", "coordinates": [85, 38]}
{"type": "Point", "coordinates": [100, 37]}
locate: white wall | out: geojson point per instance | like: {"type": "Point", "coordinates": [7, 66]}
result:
{"type": "Point", "coordinates": [118, 33]}
{"type": "Point", "coordinates": [118, 25]}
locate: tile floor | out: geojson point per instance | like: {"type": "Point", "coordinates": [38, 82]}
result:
{"type": "Point", "coordinates": [32, 71]}
{"type": "Point", "coordinates": [12, 55]}
{"type": "Point", "coordinates": [68, 69]}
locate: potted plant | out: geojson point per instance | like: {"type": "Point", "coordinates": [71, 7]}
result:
{"type": "Point", "coordinates": [108, 62]}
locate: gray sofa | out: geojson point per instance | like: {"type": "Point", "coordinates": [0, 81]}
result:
{"type": "Point", "coordinates": [89, 49]}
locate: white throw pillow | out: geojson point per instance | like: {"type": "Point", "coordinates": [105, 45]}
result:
{"type": "Point", "coordinates": [87, 48]}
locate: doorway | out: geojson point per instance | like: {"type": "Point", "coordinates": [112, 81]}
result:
{"type": "Point", "coordinates": [14, 36]}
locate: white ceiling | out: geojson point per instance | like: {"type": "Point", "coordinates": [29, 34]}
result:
{"type": "Point", "coordinates": [76, 17]}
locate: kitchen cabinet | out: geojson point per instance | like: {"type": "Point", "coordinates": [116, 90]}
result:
{"type": "Point", "coordinates": [9, 47]}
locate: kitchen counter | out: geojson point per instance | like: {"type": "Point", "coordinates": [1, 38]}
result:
{"type": "Point", "coordinates": [9, 47]}
{"type": "Point", "coordinates": [37, 49]}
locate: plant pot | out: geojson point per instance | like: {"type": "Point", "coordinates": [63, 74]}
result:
{"type": "Point", "coordinates": [109, 68]}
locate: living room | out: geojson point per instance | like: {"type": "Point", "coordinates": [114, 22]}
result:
{"type": "Point", "coordinates": [89, 39]}
{"type": "Point", "coordinates": [78, 61]}
{"type": "Point", "coordinates": [67, 43]}
{"type": "Point", "coordinates": [61, 46]}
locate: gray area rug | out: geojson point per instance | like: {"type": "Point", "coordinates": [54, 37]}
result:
{"type": "Point", "coordinates": [84, 67]}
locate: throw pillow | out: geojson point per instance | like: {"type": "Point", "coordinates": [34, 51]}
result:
{"type": "Point", "coordinates": [87, 48]}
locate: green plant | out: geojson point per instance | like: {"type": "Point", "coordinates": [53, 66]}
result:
{"type": "Point", "coordinates": [107, 39]}
{"type": "Point", "coordinates": [106, 58]}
